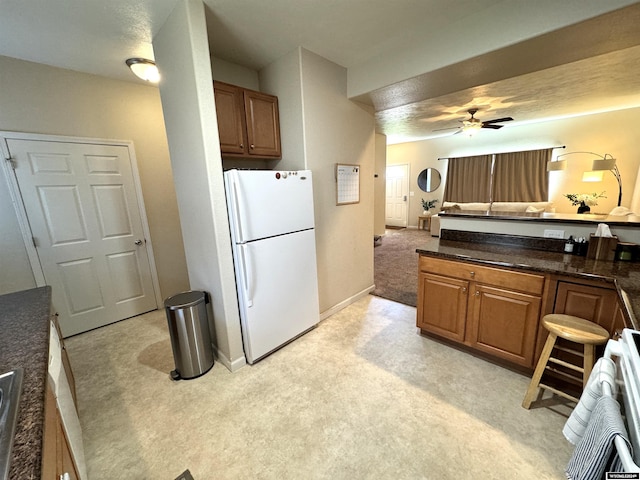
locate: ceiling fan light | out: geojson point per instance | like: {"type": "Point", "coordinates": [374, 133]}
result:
{"type": "Point", "coordinates": [144, 69]}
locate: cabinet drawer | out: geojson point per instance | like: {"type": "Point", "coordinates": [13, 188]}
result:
{"type": "Point", "coordinates": [524, 282]}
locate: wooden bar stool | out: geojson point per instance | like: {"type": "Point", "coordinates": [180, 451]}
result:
{"type": "Point", "coordinates": [573, 329]}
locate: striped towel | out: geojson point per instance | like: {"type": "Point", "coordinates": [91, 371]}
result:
{"type": "Point", "coordinates": [603, 371]}
{"type": "Point", "coordinates": [596, 452]}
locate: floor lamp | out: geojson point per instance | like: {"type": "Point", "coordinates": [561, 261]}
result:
{"type": "Point", "coordinates": [598, 167]}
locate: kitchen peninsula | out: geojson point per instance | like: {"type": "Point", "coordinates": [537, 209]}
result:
{"type": "Point", "coordinates": [626, 227]}
{"type": "Point", "coordinates": [487, 292]}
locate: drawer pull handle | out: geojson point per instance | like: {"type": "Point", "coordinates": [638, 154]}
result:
{"type": "Point", "coordinates": [473, 274]}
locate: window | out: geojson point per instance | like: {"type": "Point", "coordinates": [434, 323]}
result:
{"type": "Point", "coordinates": [503, 177]}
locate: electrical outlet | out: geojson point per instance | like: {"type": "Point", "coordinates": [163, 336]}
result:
{"type": "Point", "coordinates": [553, 233]}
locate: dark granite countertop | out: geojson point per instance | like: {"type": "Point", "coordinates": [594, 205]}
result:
{"type": "Point", "coordinates": [624, 275]}
{"type": "Point", "coordinates": [632, 221]}
{"type": "Point", "coordinates": [24, 342]}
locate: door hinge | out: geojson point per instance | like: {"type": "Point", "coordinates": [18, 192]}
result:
{"type": "Point", "coordinates": [12, 162]}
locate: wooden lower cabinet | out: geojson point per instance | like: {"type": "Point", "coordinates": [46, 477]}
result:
{"type": "Point", "coordinates": [504, 323]}
{"type": "Point", "coordinates": [57, 459]}
{"type": "Point", "coordinates": [492, 310]}
{"type": "Point", "coordinates": [442, 305]}
{"type": "Point", "coordinates": [596, 304]}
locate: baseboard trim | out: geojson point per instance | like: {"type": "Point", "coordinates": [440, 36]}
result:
{"type": "Point", "coordinates": [236, 365]}
{"type": "Point", "coordinates": [345, 303]}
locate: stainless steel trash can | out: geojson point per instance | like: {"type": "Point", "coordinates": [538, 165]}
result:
{"type": "Point", "coordinates": [190, 336]}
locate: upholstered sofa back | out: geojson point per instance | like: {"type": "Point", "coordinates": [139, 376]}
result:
{"type": "Point", "coordinates": [502, 206]}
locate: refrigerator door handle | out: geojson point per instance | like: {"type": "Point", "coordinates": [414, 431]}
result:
{"type": "Point", "coordinates": [237, 198]}
{"type": "Point", "coordinates": [247, 273]}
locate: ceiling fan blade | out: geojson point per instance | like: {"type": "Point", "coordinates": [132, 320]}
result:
{"type": "Point", "coordinates": [441, 129]}
{"type": "Point", "coordinates": [495, 127]}
{"type": "Point", "coordinates": [496, 120]}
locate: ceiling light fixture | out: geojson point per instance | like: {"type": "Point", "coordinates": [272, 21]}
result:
{"type": "Point", "coordinates": [598, 167]}
{"type": "Point", "coordinates": [144, 69]}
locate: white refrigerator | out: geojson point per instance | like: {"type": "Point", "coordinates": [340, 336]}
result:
{"type": "Point", "coordinates": [274, 256]}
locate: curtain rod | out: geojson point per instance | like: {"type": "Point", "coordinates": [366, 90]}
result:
{"type": "Point", "coordinates": [552, 148]}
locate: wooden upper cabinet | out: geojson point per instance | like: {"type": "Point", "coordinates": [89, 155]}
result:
{"type": "Point", "coordinates": [230, 113]}
{"type": "Point", "coordinates": [263, 125]}
{"type": "Point", "coordinates": [248, 122]}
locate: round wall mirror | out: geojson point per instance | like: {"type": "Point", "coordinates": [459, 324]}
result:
{"type": "Point", "coordinates": [429, 180]}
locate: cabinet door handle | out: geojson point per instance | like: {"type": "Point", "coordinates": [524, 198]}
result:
{"type": "Point", "coordinates": [252, 146]}
{"type": "Point", "coordinates": [464, 289]}
{"type": "Point", "coordinates": [242, 145]}
{"type": "Point", "coordinates": [477, 294]}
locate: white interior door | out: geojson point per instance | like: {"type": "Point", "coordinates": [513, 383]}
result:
{"type": "Point", "coordinates": [84, 215]}
{"type": "Point", "coordinates": [397, 195]}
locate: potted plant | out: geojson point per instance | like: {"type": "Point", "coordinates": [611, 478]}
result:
{"type": "Point", "coordinates": [584, 200]}
{"type": "Point", "coordinates": [428, 205]}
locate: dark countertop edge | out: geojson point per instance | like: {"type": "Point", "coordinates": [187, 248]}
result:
{"type": "Point", "coordinates": [24, 343]}
{"type": "Point", "coordinates": [516, 266]}
{"type": "Point", "coordinates": [622, 294]}
{"type": "Point", "coordinates": [589, 219]}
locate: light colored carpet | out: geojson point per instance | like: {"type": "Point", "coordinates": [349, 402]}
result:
{"type": "Point", "coordinates": [363, 396]}
{"type": "Point", "coordinates": [395, 263]}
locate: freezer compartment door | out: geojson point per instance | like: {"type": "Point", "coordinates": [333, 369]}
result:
{"type": "Point", "coordinates": [277, 290]}
{"type": "Point", "coordinates": [265, 203]}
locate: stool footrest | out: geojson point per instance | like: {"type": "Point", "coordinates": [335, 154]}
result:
{"type": "Point", "coordinates": [566, 364]}
{"type": "Point", "coordinates": [559, 392]}
{"type": "Point", "coordinates": [573, 379]}
{"type": "Point", "coordinates": [577, 353]}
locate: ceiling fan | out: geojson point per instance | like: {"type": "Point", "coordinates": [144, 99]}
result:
{"type": "Point", "coordinates": [472, 123]}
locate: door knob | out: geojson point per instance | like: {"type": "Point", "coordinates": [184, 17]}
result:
{"type": "Point", "coordinates": [138, 242]}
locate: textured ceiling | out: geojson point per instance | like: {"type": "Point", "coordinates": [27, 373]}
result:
{"type": "Point", "coordinates": [96, 37]}
{"type": "Point", "coordinates": [603, 83]}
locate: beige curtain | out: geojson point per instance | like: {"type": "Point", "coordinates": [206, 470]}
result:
{"type": "Point", "coordinates": [521, 176]}
{"type": "Point", "coordinates": [468, 179]}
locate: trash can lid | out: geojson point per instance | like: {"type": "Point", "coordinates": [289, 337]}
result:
{"type": "Point", "coordinates": [184, 299]}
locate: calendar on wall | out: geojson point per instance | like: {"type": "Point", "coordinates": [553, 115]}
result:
{"type": "Point", "coordinates": [347, 184]}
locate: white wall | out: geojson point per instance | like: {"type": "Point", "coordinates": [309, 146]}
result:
{"type": "Point", "coordinates": [337, 130]}
{"type": "Point", "coordinates": [37, 98]}
{"type": "Point", "coordinates": [182, 54]}
{"type": "Point", "coordinates": [321, 127]}
{"type": "Point", "coordinates": [283, 79]}
{"type": "Point", "coordinates": [234, 74]}
{"type": "Point", "coordinates": [380, 184]}
{"type": "Point", "coordinates": [611, 132]}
